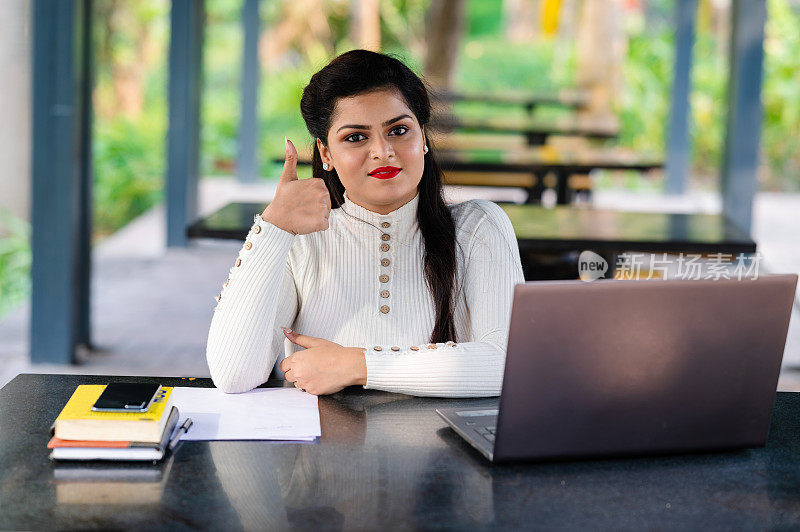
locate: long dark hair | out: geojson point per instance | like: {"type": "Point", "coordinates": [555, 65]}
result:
{"type": "Point", "coordinates": [359, 71]}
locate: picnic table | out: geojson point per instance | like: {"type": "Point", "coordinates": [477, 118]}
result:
{"type": "Point", "coordinates": [535, 130]}
{"type": "Point", "coordinates": [561, 229]}
{"type": "Point", "coordinates": [530, 168]}
{"type": "Point", "coordinates": [570, 98]}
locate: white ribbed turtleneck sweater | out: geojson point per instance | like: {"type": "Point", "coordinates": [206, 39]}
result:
{"type": "Point", "coordinates": [360, 283]}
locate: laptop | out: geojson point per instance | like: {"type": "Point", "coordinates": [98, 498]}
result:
{"type": "Point", "coordinates": [635, 367]}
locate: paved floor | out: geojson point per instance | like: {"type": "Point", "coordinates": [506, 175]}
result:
{"type": "Point", "coordinates": [151, 306]}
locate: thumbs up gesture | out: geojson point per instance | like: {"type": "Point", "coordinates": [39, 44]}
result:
{"type": "Point", "coordinates": [300, 206]}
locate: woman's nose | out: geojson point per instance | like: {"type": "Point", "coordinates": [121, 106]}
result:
{"type": "Point", "coordinates": [381, 148]}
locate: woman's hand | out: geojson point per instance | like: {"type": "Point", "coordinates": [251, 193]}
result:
{"type": "Point", "coordinates": [299, 206]}
{"type": "Point", "coordinates": [323, 367]}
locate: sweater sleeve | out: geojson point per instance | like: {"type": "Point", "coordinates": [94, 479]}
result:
{"type": "Point", "coordinates": [472, 368]}
{"type": "Point", "coordinates": [259, 296]}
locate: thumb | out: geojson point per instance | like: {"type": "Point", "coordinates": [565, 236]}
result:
{"type": "Point", "coordinates": [290, 164]}
{"type": "Point", "coordinates": [302, 340]}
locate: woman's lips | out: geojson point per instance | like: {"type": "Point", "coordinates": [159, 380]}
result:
{"type": "Point", "coordinates": [385, 172]}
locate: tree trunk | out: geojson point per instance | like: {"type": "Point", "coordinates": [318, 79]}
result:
{"type": "Point", "coordinates": [444, 26]}
{"type": "Point", "coordinates": [601, 51]}
{"type": "Point", "coordinates": [521, 18]}
{"type": "Point", "coordinates": [365, 26]}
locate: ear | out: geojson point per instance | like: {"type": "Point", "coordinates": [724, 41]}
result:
{"type": "Point", "coordinates": [324, 153]}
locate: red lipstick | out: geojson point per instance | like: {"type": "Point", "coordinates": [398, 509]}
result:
{"type": "Point", "coordinates": [385, 172]}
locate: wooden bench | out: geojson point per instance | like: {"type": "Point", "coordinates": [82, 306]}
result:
{"type": "Point", "coordinates": [535, 130]}
{"type": "Point", "coordinates": [530, 100]}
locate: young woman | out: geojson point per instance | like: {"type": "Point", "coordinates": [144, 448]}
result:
{"type": "Point", "coordinates": [364, 265]}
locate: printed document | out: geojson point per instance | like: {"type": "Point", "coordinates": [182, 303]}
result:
{"type": "Point", "coordinates": [260, 414]}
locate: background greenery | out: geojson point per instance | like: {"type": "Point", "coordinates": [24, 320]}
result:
{"type": "Point", "coordinates": [132, 40]}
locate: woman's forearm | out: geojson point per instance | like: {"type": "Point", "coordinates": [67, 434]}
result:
{"type": "Point", "coordinates": [240, 339]}
{"type": "Point", "coordinates": [469, 369]}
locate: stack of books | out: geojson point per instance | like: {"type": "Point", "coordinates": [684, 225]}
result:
{"type": "Point", "coordinates": [82, 434]}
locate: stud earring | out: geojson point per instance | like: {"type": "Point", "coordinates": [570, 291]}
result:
{"type": "Point", "coordinates": [324, 166]}
{"type": "Point", "coordinates": [425, 149]}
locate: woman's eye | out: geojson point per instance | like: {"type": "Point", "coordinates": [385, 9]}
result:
{"type": "Point", "coordinates": [350, 138]}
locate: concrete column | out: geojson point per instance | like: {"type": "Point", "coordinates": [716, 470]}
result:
{"type": "Point", "coordinates": [678, 148]}
{"type": "Point", "coordinates": [15, 107]}
{"type": "Point", "coordinates": [187, 20]}
{"type": "Point", "coordinates": [743, 126]}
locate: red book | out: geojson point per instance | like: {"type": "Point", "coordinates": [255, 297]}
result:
{"type": "Point", "coordinates": [58, 442]}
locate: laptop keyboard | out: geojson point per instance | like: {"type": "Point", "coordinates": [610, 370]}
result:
{"type": "Point", "coordinates": [487, 432]}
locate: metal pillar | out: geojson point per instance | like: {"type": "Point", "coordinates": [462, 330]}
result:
{"type": "Point", "coordinates": [183, 136]}
{"type": "Point", "coordinates": [61, 180]}
{"type": "Point", "coordinates": [247, 167]}
{"type": "Point", "coordinates": [678, 150]}
{"type": "Point", "coordinates": [743, 127]}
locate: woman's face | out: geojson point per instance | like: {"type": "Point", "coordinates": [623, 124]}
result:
{"type": "Point", "coordinates": [369, 131]}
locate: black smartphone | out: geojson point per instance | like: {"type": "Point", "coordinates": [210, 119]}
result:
{"type": "Point", "coordinates": [126, 397]}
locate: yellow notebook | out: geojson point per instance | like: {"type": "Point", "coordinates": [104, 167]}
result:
{"type": "Point", "coordinates": [77, 421]}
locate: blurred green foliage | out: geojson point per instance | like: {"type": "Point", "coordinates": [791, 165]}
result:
{"type": "Point", "coordinates": [781, 97]}
{"type": "Point", "coordinates": [15, 261]}
{"type": "Point", "coordinates": [129, 162]}
{"type": "Point", "coordinates": [132, 40]}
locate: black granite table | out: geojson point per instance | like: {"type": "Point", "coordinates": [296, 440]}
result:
{"type": "Point", "coordinates": [550, 240]}
{"type": "Point", "coordinates": [384, 461]}
{"type": "Point", "coordinates": [561, 230]}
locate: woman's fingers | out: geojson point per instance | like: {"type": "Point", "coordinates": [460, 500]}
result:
{"type": "Point", "coordinates": [285, 364]}
{"type": "Point", "coordinates": [290, 164]}
{"type": "Point", "coordinates": [303, 340]}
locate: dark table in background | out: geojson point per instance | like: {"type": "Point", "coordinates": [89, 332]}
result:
{"type": "Point", "coordinates": [561, 229]}
{"type": "Point", "coordinates": [384, 461]}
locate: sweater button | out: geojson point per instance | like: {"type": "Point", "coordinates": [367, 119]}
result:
{"type": "Point", "coordinates": [384, 293]}
{"type": "Point", "coordinates": [383, 278]}
{"type": "Point", "coordinates": [228, 280]}
{"type": "Point", "coordinates": [385, 237]}
{"type": "Point", "coordinates": [432, 346]}
{"type": "Point", "coordinates": [378, 348]}
{"type": "Point", "coordinates": [451, 343]}
{"type": "Point", "coordinates": [384, 262]}
{"type": "Point", "coordinates": [414, 348]}
{"type": "Point", "coordinates": [385, 225]}
{"type": "Point", "coordinates": [384, 247]}
{"type": "Point", "coordinates": [248, 245]}
{"type": "Point", "coordinates": [385, 309]}
{"type": "Point", "coordinates": [257, 229]}
{"type": "Point", "coordinates": [395, 348]}
{"type": "Point", "coordinates": [238, 262]}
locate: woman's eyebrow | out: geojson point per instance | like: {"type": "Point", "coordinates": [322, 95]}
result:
{"type": "Point", "coordinates": [357, 126]}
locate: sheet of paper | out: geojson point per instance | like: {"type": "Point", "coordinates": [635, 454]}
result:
{"type": "Point", "coordinates": [260, 414]}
